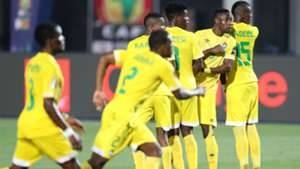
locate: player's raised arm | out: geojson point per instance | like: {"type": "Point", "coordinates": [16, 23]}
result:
{"type": "Point", "coordinates": [99, 98]}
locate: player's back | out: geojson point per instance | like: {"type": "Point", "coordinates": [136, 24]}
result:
{"type": "Point", "coordinates": [139, 43]}
{"type": "Point", "coordinates": [243, 72]}
{"type": "Point", "coordinates": [207, 39]}
{"type": "Point", "coordinates": [185, 50]}
{"type": "Point", "coordinates": [140, 76]}
{"type": "Point", "coordinates": [43, 78]}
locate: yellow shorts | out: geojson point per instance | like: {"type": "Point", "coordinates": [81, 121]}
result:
{"type": "Point", "coordinates": [186, 114]}
{"type": "Point", "coordinates": [57, 147]}
{"type": "Point", "coordinates": [118, 130]}
{"type": "Point", "coordinates": [158, 106]}
{"type": "Point", "coordinates": [207, 109]}
{"type": "Point", "coordinates": [242, 104]}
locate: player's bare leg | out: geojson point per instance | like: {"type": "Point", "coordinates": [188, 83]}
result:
{"type": "Point", "coordinates": [95, 162]}
{"type": "Point", "coordinates": [71, 164]}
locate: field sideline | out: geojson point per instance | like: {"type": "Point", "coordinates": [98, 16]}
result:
{"type": "Point", "coordinates": [280, 147]}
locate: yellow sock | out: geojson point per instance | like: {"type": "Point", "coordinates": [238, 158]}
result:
{"type": "Point", "coordinates": [241, 146]}
{"type": "Point", "coordinates": [212, 150]}
{"type": "Point", "coordinates": [191, 151]}
{"type": "Point", "coordinates": [254, 145]}
{"type": "Point", "coordinates": [177, 152]}
{"type": "Point", "coordinates": [86, 165]}
{"type": "Point", "coordinates": [152, 163]}
{"type": "Point", "coordinates": [166, 157]}
{"type": "Point", "coordinates": [139, 159]}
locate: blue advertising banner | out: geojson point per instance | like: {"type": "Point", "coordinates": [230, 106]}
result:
{"type": "Point", "coordinates": [24, 16]}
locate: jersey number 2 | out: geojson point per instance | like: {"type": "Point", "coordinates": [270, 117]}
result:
{"type": "Point", "coordinates": [129, 76]}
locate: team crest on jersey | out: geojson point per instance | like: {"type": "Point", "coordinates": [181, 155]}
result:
{"type": "Point", "coordinates": [206, 40]}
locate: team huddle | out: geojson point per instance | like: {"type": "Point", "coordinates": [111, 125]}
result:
{"type": "Point", "coordinates": [169, 74]}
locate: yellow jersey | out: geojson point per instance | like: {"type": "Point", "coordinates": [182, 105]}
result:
{"type": "Point", "coordinates": [43, 79]}
{"type": "Point", "coordinates": [185, 50]}
{"type": "Point", "coordinates": [242, 71]}
{"type": "Point", "coordinates": [141, 44]}
{"type": "Point", "coordinates": [207, 39]}
{"type": "Point", "coordinates": [141, 75]}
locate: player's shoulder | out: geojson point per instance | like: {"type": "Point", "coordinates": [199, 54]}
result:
{"type": "Point", "coordinates": [141, 42]}
{"type": "Point", "coordinates": [178, 30]}
{"type": "Point", "coordinates": [202, 31]}
{"type": "Point", "coordinates": [229, 38]}
{"type": "Point", "coordinates": [245, 27]}
{"type": "Point", "coordinates": [139, 38]}
{"type": "Point", "coordinates": [159, 60]}
{"type": "Point", "coordinates": [41, 58]}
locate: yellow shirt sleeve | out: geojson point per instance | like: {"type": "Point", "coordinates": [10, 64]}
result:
{"type": "Point", "coordinates": [119, 57]}
{"type": "Point", "coordinates": [197, 51]}
{"type": "Point", "coordinates": [130, 45]}
{"type": "Point", "coordinates": [230, 50]}
{"type": "Point", "coordinates": [51, 82]}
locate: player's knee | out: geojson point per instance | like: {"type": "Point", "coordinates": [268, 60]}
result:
{"type": "Point", "coordinates": [186, 130]}
{"type": "Point", "coordinates": [173, 132]}
{"type": "Point", "coordinates": [96, 161]}
{"type": "Point", "coordinates": [161, 137]}
{"type": "Point", "coordinates": [206, 130]}
{"type": "Point", "coordinates": [150, 149]}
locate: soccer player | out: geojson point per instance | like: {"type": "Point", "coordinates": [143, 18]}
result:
{"type": "Point", "coordinates": [41, 128]}
{"type": "Point", "coordinates": [242, 89]}
{"type": "Point", "coordinates": [185, 50]}
{"type": "Point", "coordinates": [218, 49]}
{"type": "Point", "coordinates": [141, 74]}
{"type": "Point", "coordinates": [159, 103]}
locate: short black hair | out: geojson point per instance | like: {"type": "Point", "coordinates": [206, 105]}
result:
{"type": "Point", "coordinates": [151, 15]}
{"type": "Point", "coordinates": [236, 5]}
{"type": "Point", "coordinates": [45, 31]}
{"type": "Point", "coordinates": [158, 38]}
{"type": "Point", "coordinates": [173, 9]}
{"type": "Point", "coordinates": [221, 11]}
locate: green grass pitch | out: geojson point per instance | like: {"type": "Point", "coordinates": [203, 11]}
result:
{"type": "Point", "coordinates": [280, 147]}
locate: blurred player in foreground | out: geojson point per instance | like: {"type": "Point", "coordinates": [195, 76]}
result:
{"type": "Point", "coordinates": [42, 130]}
{"type": "Point", "coordinates": [141, 75]}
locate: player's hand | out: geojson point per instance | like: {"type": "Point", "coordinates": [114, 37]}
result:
{"type": "Point", "coordinates": [76, 124]}
{"type": "Point", "coordinates": [76, 142]}
{"type": "Point", "coordinates": [200, 91]}
{"type": "Point", "coordinates": [73, 138]}
{"type": "Point", "coordinates": [99, 99]}
{"type": "Point", "coordinates": [218, 49]}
